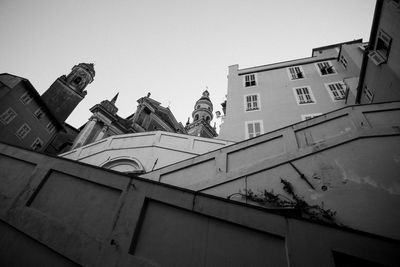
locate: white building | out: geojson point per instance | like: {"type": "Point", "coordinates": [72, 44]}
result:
{"type": "Point", "coordinates": [265, 98]}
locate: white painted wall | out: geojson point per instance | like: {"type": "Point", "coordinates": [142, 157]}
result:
{"type": "Point", "coordinates": [152, 150]}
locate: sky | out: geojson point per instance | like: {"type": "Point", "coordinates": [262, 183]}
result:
{"type": "Point", "coordinates": [174, 49]}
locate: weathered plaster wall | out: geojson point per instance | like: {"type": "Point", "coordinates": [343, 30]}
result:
{"type": "Point", "coordinates": [58, 212]}
{"type": "Point", "coordinates": [349, 157]}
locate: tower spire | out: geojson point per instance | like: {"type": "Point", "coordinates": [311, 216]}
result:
{"type": "Point", "coordinates": [114, 99]}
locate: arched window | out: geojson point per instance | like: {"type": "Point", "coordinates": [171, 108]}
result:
{"type": "Point", "coordinates": [196, 117]}
{"type": "Point", "coordinates": [208, 119]}
{"type": "Point", "coordinates": [124, 164]}
{"type": "Point", "coordinates": [198, 106]}
{"type": "Point", "coordinates": [77, 80]}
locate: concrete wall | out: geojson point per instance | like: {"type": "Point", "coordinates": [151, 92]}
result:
{"type": "Point", "coordinates": [152, 149]}
{"type": "Point", "coordinates": [57, 212]}
{"type": "Point", "coordinates": [279, 107]}
{"type": "Point", "coordinates": [349, 157]}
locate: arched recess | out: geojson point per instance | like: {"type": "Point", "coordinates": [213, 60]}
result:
{"type": "Point", "coordinates": [124, 164]}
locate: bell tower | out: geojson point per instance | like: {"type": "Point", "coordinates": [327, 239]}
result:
{"type": "Point", "coordinates": [202, 116]}
{"type": "Point", "coordinates": [203, 108]}
{"type": "Point", "coordinates": [68, 91]}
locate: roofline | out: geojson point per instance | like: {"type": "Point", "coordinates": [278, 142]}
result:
{"type": "Point", "coordinates": [265, 67]}
{"type": "Point", "coordinates": [292, 61]}
{"type": "Point", "coordinates": [334, 45]}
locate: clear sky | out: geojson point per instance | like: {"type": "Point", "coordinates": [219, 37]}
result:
{"type": "Point", "coordinates": [171, 48]}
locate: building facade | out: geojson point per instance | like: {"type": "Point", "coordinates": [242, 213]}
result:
{"type": "Point", "coordinates": [25, 118]}
{"type": "Point", "coordinates": [265, 98]}
{"type": "Point", "coordinates": [105, 122]}
{"type": "Point", "coordinates": [33, 121]}
{"type": "Point", "coordinates": [380, 73]}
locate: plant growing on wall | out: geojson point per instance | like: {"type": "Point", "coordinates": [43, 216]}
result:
{"type": "Point", "coordinates": [314, 212]}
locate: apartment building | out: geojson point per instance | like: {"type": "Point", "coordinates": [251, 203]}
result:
{"type": "Point", "coordinates": [380, 72]}
{"type": "Point", "coordinates": [265, 98]}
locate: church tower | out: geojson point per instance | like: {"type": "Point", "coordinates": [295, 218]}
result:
{"type": "Point", "coordinates": [202, 116]}
{"type": "Point", "coordinates": [103, 123]}
{"type": "Point", "coordinates": [67, 91]}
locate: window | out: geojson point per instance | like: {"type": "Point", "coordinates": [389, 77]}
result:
{"type": "Point", "coordinates": [38, 113]}
{"type": "Point", "coordinates": [382, 48]}
{"type": "Point", "coordinates": [383, 44]}
{"type": "Point", "coordinates": [23, 131]}
{"type": "Point", "coordinates": [253, 129]}
{"type": "Point", "coordinates": [249, 80]}
{"type": "Point", "coordinates": [26, 98]}
{"type": "Point", "coordinates": [198, 106]}
{"type": "Point", "coordinates": [8, 116]}
{"type": "Point", "coordinates": [295, 73]}
{"type": "Point", "coordinates": [343, 60]}
{"type": "Point", "coordinates": [37, 144]}
{"type": "Point", "coordinates": [337, 90]}
{"type": "Point", "coordinates": [369, 95]}
{"type": "Point", "coordinates": [124, 164]}
{"type": "Point", "coordinates": [252, 102]}
{"type": "Point", "coordinates": [50, 127]}
{"type": "Point", "coordinates": [304, 95]}
{"type": "Point", "coordinates": [376, 58]}
{"type": "Point", "coordinates": [309, 116]}
{"type": "Point", "coordinates": [325, 68]}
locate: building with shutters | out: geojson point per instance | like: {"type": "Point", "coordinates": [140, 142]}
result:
{"type": "Point", "coordinates": [264, 98]}
{"type": "Point", "coordinates": [33, 121]}
{"type": "Point", "coordinates": [380, 72]}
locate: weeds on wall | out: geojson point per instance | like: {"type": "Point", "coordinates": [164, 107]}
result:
{"type": "Point", "coordinates": [313, 212]}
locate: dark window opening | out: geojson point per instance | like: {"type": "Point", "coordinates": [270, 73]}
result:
{"type": "Point", "coordinates": [77, 80]}
{"type": "Point", "coordinates": [382, 48]}
{"type": "Point", "coordinates": [383, 44]}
